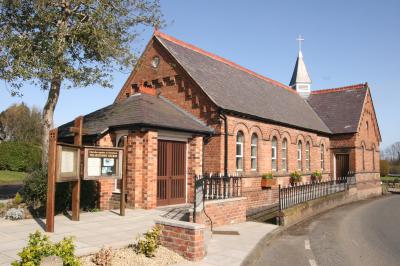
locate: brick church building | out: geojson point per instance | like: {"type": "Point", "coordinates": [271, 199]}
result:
{"type": "Point", "coordinates": [184, 111]}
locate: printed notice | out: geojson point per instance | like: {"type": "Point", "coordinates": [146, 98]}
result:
{"type": "Point", "coordinates": [94, 166]}
{"type": "Point", "coordinates": [67, 161]}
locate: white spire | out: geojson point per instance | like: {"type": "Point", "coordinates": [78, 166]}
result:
{"type": "Point", "coordinates": [300, 80]}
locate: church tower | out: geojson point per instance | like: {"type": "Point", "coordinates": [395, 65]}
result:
{"type": "Point", "coordinates": [301, 81]}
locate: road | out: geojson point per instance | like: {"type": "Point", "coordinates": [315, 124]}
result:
{"type": "Point", "coordinates": [363, 233]}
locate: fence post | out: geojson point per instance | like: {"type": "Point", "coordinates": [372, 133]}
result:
{"type": "Point", "coordinates": [279, 205]}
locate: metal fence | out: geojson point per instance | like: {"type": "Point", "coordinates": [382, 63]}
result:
{"type": "Point", "coordinates": [292, 195]}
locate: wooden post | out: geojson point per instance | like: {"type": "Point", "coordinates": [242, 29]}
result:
{"type": "Point", "coordinates": [51, 180]}
{"type": "Point", "coordinates": [76, 185]}
{"type": "Point", "coordinates": [123, 179]}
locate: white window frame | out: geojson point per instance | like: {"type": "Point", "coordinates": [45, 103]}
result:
{"type": "Point", "coordinates": [373, 158]}
{"type": "Point", "coordinates": [363, 157]}
{"type": "Point", "coordinates": [322, 155]}
{"type": "Point", "coordinates": [119, 136]}
{"type": "Point", "coordinates": [308, 163]}
{"type": "Point", "coordinates": [274, 154]}
{"type": "Point", "coordinates": [299, 155]}
{"type": "Point", "coordinates": [253, 157]}
{"type": "Point", "coordinates": [241, 150]}
{"type": "Point", "coordinates": [284, 155]}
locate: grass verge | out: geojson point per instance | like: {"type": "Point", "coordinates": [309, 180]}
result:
{"type": "Point", "coordinates": [11, 177]}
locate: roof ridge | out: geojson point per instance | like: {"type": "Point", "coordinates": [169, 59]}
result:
{"type": "Point", "coordinates": [221, 59]}
{"type": "Point", "coordinates": [344, 88]}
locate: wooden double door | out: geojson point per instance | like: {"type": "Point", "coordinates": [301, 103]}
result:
{"type": "Point", "coordinates": [171, 172]}
{"type": "Point", "coordinates": [342, 165]}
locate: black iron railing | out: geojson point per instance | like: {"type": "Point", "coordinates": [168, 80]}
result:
{"type": "Point", "coordinates": [296, 194]}
{"type": "Point", "coordinates": [214, 187]}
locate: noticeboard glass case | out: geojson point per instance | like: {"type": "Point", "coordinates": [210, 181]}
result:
{"type": "Point", "coordinates": [102, 163]}
{"type": "Point", "coordinates": [68, 163]}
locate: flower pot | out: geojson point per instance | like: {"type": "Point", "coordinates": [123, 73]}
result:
{"type": "Point", "coordinates": [267, 183]}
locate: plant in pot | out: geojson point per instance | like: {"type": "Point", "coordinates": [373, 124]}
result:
{"type": "Point", "coordinates": [267, 180]}
{"type": "Point", "coordinates": [295, 178]}
{"type": "Point", "coordinates": [316, 177]}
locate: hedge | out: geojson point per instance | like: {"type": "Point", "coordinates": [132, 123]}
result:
{"type": "Point", "coordinates": [19, 156]}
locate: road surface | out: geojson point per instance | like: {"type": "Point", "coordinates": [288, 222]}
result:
{"type": "Point", "coordinates": [363, 233]}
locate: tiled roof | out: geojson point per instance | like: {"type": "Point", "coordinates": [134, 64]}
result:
{"type": "Point", "coordinates": [340, 108]}
{"type": "Point", "coordinates": [235, 88]}
{"type": "Point", "coordinates": [139, 110]}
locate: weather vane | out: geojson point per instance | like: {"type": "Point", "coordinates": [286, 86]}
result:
{"type": "Point", "coordinates": [300, 39]}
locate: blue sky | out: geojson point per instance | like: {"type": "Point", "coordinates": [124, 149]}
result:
{"type": "Point", "coordinates": [346, 42]}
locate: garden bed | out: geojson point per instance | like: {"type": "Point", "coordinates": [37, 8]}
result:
{"type": "Point", "coordinates": [127, 256]}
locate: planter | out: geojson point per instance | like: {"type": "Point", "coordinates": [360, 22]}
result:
{"type": "Point", "coordinates": [267, 183]}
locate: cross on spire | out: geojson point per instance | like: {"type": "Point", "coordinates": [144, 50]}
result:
{"type": "Point", "coordinates": [300, 39]}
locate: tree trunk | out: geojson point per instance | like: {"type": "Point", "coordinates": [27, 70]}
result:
{"type": "Point", "coordinates": [48, 113]}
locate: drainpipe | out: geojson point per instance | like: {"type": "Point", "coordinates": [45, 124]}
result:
{"type": "Point", "coordinates": [223, 116]}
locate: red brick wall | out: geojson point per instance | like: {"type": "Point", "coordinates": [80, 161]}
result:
{"type": "Point", "coordinates": [106, 186]}
{"type": "Point", "coordinates": [222, 212]}
{"type": "Point", "coordinates": [256, 196]}
{"type": "Point", "coordinates": [184, 238]}
{"type": "Point", "coordinates": [265, 133]}
{"type": "Point", "coordinates": [367, 137]}
{"type": "Point", "coordinates": [194, 163]}
{"type": "Point", "coordinates": [142, 170]}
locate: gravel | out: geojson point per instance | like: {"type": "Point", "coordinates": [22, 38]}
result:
{"type": "Point", "coordinates": [127, 256]}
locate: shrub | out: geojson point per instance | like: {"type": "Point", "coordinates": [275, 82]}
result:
{"type": "Point", "coordinates": [295, 177]}
{"type": "Point", "coordinates": [35, 188]}
{"type": "Point", "coordinates": [17, 198]}
{"type": "Point", "coordinates": [15, 214]}
{"type": "Point", "coordinates": [39, 246]}
{"type": "Point", "coordinates": [35, 192]}
{"type": "Point", "coordinates": [19, 156]}
{"type": "Point", "coordinates": [267, 176]}
{"type": "Point", "coordinates": [149, 243]}
{"type": "Point", "coordinates": [384, 165]}
{"type": "Point", "coordinates": [103, 257]}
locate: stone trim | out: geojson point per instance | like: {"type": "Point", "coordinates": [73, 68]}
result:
{"type": "Point", "coordinates": [180, 224]}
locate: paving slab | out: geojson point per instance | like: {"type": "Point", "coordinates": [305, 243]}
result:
{"type": "Point", "coordinates": [233, 249]}
{"type": "Point", "coordinates": [93, 231]}
{"type": "Point", "coordinates": [106, 228]}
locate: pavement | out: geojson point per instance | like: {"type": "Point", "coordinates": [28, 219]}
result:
{"type": "Point", "coordinates": [362, 233]}
{"type": "Point", "coordinates": [232, 249]}
{"type": "Point", "coordinates": [107, 228]}
{"type": "Point", "coordinates": [92, 232]}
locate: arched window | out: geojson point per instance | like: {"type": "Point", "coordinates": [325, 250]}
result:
{"type": "Point", "coordinates": [367, 128]}
{"type": "Point", "coordinates": [254, 140]}
{"type": "Point", "coordinates": [273, 154]}
{"type": "Point", "coordinates": [117, 183]}
{"type": "Point", "coordinates": [322, 151]}
{"type": "Point", "coordinates": [239, 151]}
{"type": "Point", "coordinates": [284, 155]}
{"type": "Point", "coordinates": [299, 158]}
{"type": "Point", "coordinates": [363, 157]}
{"type": "Point", "coordinates": [307, 156]}
{"type": "Point", "coordinates": [373, 158]}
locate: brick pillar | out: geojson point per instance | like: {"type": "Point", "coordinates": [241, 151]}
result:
{"type": "Point", "coordinates": [150, 169]}
{"type": "Point", "coordinates": [194, 163]}
{"type": "Point", "coordinates": [105, 186]}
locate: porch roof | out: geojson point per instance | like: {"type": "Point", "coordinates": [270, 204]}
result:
{"type": "Point", "coordinates": [139, 110]}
